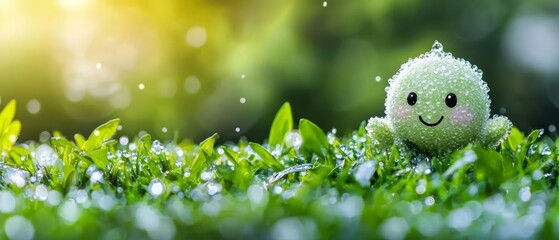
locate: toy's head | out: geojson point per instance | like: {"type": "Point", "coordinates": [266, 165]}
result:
{"type": "Point", "coordinates": [436, 101]}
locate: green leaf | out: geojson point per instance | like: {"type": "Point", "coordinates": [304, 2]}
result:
{"type": "Point", "coordinates": [515, 138]}
{"type": "Point", "coordinates": [101, 134]}
{"type": "Point", "coordinates": [206, 150]}
{"type": "Point", "coordinates": [10, 135]}
{"type": "Point", "coordinates": [99, 158]}
{"type": "Point", "coordinates": [314, 139]}
{"type": "Point", "coordinates": [80, 140]}
{"type": "Point", "coordinates": [282, 124]}
{"type": "Point", "coordinates": [267, 158]}
{"type": "Point", "coordinates": [7, 115]}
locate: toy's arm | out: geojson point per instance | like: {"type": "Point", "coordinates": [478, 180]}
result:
{"type": "Point", "coordinates": [497, 130]}
{"type": "Point", "coordinates": [380, 130]}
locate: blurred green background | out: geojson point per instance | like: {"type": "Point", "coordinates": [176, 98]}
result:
{"type": "Point", "coordinates": [199, 67]}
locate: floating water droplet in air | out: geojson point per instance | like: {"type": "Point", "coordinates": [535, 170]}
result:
{"type": "Point", "coordinates": [123, 140]}
{"type": "Point", "coordinates": [156, 187]}
{"type": "Point", "coordinates": [33, 106]}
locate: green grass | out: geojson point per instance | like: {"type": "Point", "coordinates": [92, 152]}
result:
{"type": "Point", "coordinates": [306, 184]}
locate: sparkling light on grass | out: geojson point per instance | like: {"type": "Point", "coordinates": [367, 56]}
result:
{"type": "Point", "coordinates": [141, 86]}
{"type": "Point", "coordinates": [310, 184]}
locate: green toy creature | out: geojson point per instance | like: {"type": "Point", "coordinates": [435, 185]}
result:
{"type": "Point", "coordinates": [438, 103]}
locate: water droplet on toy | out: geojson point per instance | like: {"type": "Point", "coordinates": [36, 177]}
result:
{"type": "Point", "coordinates": [156, 187]}
{"type": "Point", "coordinates": [437, 47]}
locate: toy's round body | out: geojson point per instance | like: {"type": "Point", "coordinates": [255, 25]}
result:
{"type": "Point", "coordinates": [438, 102]}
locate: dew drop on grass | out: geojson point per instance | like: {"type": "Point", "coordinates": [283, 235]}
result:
{"type": "Point", "coordinates": [525, 194]}
{"type": "Point", "coordinates": [237, 129]}
{"type": "Point", "coordinates": [81, 196]}
{"type": "Point", "coordinates": [293, 139]}
{"type": "Point", "coordinates": [96, 177]}
{"type": "Point", "coordinates": [365, 172]}
{"type": "Point", "coordinates": [186, 173]}
{"type": "Point", "coordinates": [141, 86]}
{"type": "Point", "coordinates": [377, 78]}
{"type": "Point", "coordinates": [156, 187]}
{"type": "Point", "coordinates": [41, 192]}
{"type": "Point", "coordinates": [69, 211]}
{"type": "Point", "coordinates": [429, 201]}
{"type": "Point", "coordinates": [325, 4]}
{"type": "Point", "coordinates": [460, 218]}
{"type": "Point", "coordinates": [33, 106]}
{"type": "Point", "coordinates": [156, 147]}
{"type": "Point", "coordinates": [207, 175]}
{"type": "Point", "coordinates": [243, 100]}
{"type": "Point", "coordinates": [45, 156]}
{"type": "Point", "coordinates": [257, 195]}
{"type": "Point", "coordinates": [7, 202]}
{"type": "Point", "coordinates": [164, 130]}
{"type": "Point", "coordinates": [18, 227]}
{"type": "Point", "coordinates": [243, 76]}
{"type": "Point", "coordinates": [213, 188]}
{"type": "Point", "coordinates": [17, 178]}
{"type": "Point", "coordinates": [394, 228]}
{"type": "Point", "coordinates": [54, 198]}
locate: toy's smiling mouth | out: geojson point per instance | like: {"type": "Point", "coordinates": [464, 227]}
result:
{"type": "Point", "coordinates": [431, 124]}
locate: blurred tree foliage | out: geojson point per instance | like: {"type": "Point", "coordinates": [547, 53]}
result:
{"type": "Point", "coordinates": [198, 61]}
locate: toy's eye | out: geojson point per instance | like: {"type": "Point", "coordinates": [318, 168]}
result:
{"type": "Point", "coordinates": [451, 100]}
{"type": "Point", "coordinates": [412, 98]}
